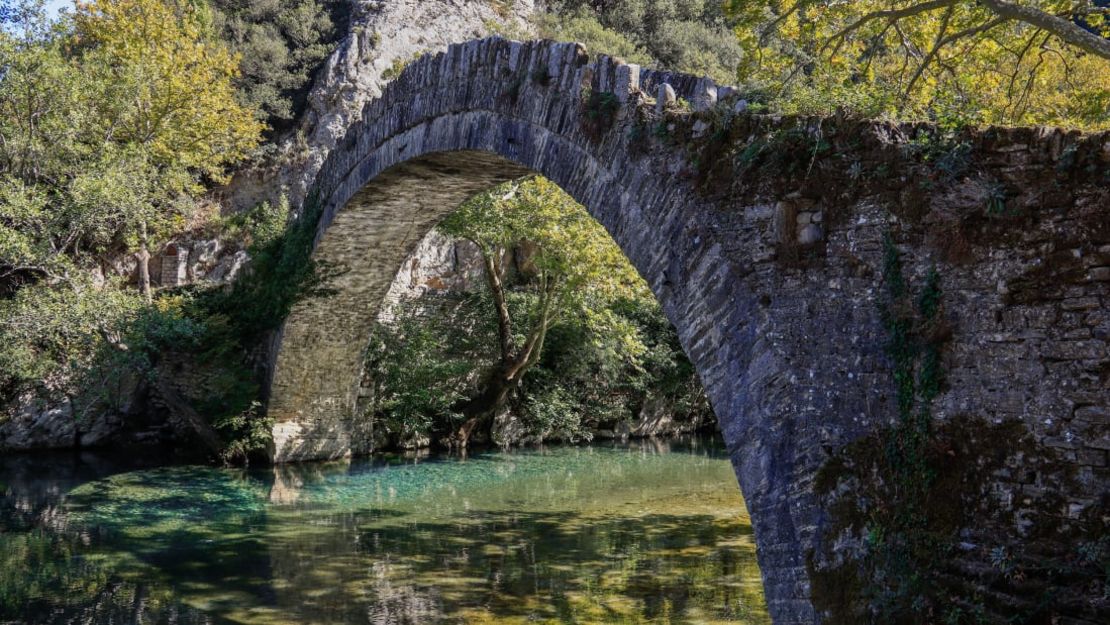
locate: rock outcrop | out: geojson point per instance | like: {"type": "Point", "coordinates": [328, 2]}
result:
{"type": "Point", "coordinates": [438, 266]}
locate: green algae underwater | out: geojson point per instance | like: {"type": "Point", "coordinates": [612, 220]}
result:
{"type": "Point", "coordinates": [648, 532]}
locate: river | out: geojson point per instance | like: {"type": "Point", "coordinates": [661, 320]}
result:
{"type": "Point", "coordinates": [645, 532]}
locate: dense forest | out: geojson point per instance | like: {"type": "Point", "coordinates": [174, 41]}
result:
{"type": "Point", "coordinates": [119, 117]}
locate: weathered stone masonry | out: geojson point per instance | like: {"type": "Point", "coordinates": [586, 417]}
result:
{"type": "Point", "coordinates": [768, 265]}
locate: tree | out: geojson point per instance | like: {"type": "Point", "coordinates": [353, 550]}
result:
{"type": "Point", "coordinates": [166, 106]}
{"type": "Point", "coordinates": [111, 121]}
{"type": "Point", "coordinates": [563, 335]}
{"type": "Point", "coordinates": [691, 36]}
{"type": "Point", "coordinates": [585, 28]}
{"type": "Point", "coordinates": [573, 261]}
{"type": "Point", "coordinates": [281, 43]}
{"type": "Point", "coordinates": [957, 61]}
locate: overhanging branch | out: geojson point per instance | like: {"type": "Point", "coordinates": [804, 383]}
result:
{"type": "Point", "coordinates": [1067, 30]}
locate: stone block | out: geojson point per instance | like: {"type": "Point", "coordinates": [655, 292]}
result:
{"type": "Point", "coordinates": [664, 97]}
{"type": "Point", "coordinates": [628, 82]}
{"type": "Point", "coordinates": [705, 95]}
{"type": "Point", "coordinates": [1075, 350]}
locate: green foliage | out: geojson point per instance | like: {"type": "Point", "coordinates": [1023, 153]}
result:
{"type": "Point", "coordinates": [247, 433]}
{"type": "Point", "coordinates": [163, 89]}
{"type": "Point", "coordinates": [421, 368]}
{"type": "Point", "coordinates": [604, 347]}
{"type": "Point", "coordinates": [555, 413]}
{"type": "Point", "coordinates": [791, 151]}
{"type": "Point", "coordinates": [110, 122]}
{"type": "Point", "coordinates": [599, 111]}
{"type": "Point", "coordinates": [944, 149]}
{"type": "Point", "coordinates": [692, 36]}
{"type": "Point", "coordinates": [132, 111]}
{"type": "Point", "coordinates": [281, 45]}
{"type": "Point", "coordinates": [259, 227]}
{"type": "Point", "coordinates": [571, 247]}
{"type": "Point", "coordinates": [599, 367]}
{"type": "Point", "coordinates": [948, 60]}
{"type": "Point", "coordinates": [75, 339]}
{"type": "Point", "coordinates": [995, 199]}
{"type": "Point", "coordinates": [282, 272]}
{"type": "Point", "coordinates": [914, 344]}
{"type": "Point", "coordinates": [899, 567]}
{"type": "Point", "coordinates": [586, 28]}
{"type": "Point", "coordinates": [394, 70]}
{"type": "Point", "coordinates": [50, 336]}
{"type": "Point", "coordinates": [606, 364]}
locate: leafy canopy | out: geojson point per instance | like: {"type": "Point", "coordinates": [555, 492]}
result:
{"type": "Point", "coordinates": [952, 61]}
{"type": "Point", "coordinates": [571, 248]}
{"type": "Point", "coordinates": [172, 85]}
{"type": "Point", "coordinates": [690, 36]}
{"type": "Point", "coordinates": [111, 120]}
{"type": "Point", "coordinates": [576, 336]}
{"type": "Point", "coordinates": [281, 44]}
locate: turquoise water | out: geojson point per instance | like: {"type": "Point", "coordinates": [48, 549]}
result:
{"type": "Point", "coordinates": [644, 533]}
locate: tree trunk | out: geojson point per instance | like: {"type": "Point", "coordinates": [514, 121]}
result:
{"type": "Point", "coordinates": [143, 256]}
{"type": "Point", "coordinates": [513, 363]}
{"type": "Point", "coordinates": [483, 409]}
{"type": "Point", "coordinates": [505, 378]}
{"type": "Point", "coordinates": [1063, 27]}
{"type": "Point", "coordinates": [496, 279]}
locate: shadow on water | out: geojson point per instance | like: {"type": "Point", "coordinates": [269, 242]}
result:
{"type": "Point", "coordinates": [604, 534]}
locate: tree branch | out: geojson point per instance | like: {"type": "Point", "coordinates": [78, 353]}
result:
{"type": "Point", "coordinates": [533, 347]}
{"type": "Point", "coordinates": [937, 43]}
{"type": "Point", "coordinates": [766, 31]}
{"type": "Point", "coordinates": [1068, 31]}
{"type": "Point", "coordinates": [1017, 70]}
{"type": "Point", "coordinates": [888, 14]}
{"type": "Point", "coordinates": [943, 40]}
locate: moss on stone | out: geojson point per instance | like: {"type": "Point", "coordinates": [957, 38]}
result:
{"type": "Point", "coordinates": [599, 111]}
{"type": "Point", "coordinates": [836, 593]}
{"type": "Point", "coordinates": [965, 457]}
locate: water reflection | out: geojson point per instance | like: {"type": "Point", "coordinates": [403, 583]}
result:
{"type": "Point", "coordinates": [644, 533]}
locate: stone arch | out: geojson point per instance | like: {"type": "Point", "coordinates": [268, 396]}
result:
{"type": "Point", "coordinates": [458, 123]}
{"type": "Point", "coordinates": [451, 126]}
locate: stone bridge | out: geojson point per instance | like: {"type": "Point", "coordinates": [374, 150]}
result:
{"type": "Point", "coordinates": [765, 239]}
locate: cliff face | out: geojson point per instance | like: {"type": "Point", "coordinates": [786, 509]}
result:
{"type": "Point", "coordinates": [384, 37]}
